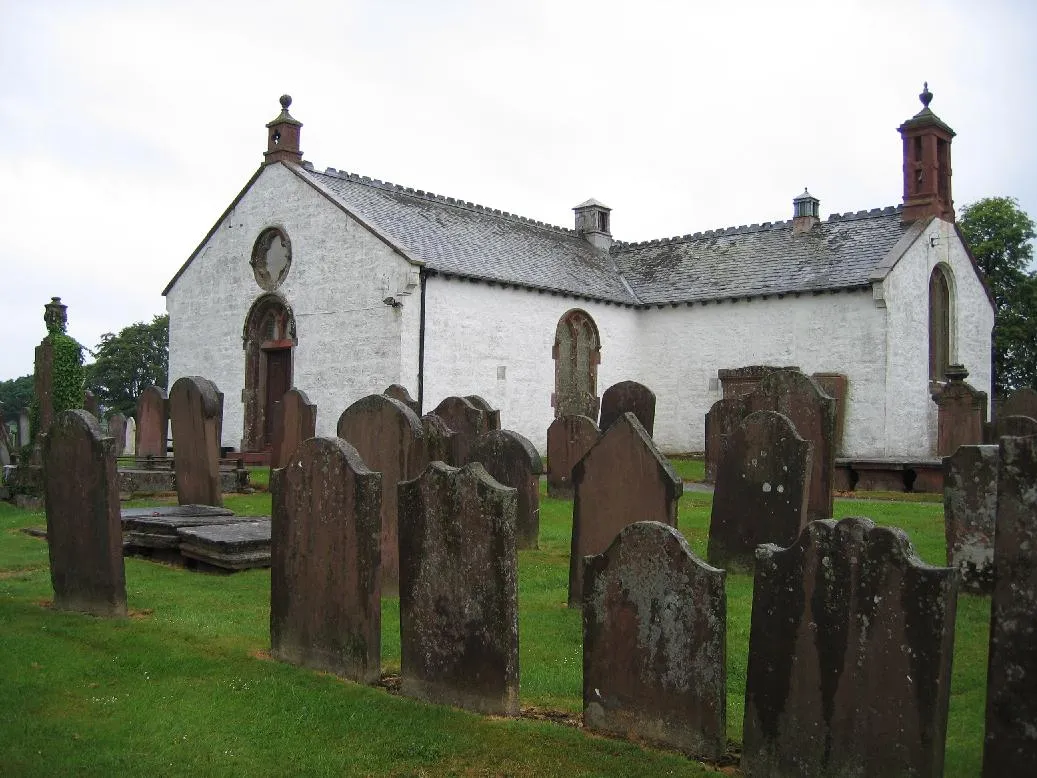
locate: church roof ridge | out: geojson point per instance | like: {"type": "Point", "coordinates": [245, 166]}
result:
{"type": "Point", "coordinates": [454, 201]}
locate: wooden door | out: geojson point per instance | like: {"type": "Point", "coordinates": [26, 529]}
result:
{"type": "Point", "coordinates": [278, 381]}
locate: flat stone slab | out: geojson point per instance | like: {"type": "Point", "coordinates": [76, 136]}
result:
{"type": "Point", "coordinates": [236, 545]}
{"type": "Point", "coordinates": [164, 531]}
{"type": "Point", "coordinates": [175, 510]}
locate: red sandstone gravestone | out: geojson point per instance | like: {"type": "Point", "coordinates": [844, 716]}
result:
{"type": "Point", "coordinates": [969, 510]}
{"type": "Point", "coordinates": [654, 642]}
{"type": "Point", "coordinates": [466, 420]}
{"type": "Point", "coordinates": [721, 419]}
{"type": "Point", "coordinates": [513, 461]}
{"type": "Point", "coordinates": [459, 590]}
{"type": "Point", "coordinates": [622, 479]}
{"type": "Point", "coordinates": [763, 483]}
{"type": "Point", "coordinates": [492, 414]}
{"type": "Point", "coordinates": [1016, 426]}
{"type": "Point", "coordinates": [117, 432]}
{"type": "Point", "coordinates": [961, 414]}
{"type": "Point", "coordinates": [439, 439]}
{"type": "Point", "coordinates": [84, 528]}
{"type": "Point", "coordinates": [850, 652]}
{"type": "Point", "coordinates": [325, 578]}
{"type": "Point", "coordinates": [624, 397]}
{"type": "Point", "coordinates": [152, 423]}
{"type": "Point", "coordinates": [399, 392]}
{"type": "Point", "coordinates": [298, 422]}
{"type": "Point", "coordinates": [196, 412]}
{"type": "Point", "coordinates": [568, 439]}
{"type": "Point", "coordinates": [1022, 402]}
{"type": "Point", "coordinates": [391, 441]}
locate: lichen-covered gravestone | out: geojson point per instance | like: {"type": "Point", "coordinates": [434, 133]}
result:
{"type": "Point", "coordinates": [1011, 735]}
{"type": "Point", "coordinates": [439, 439]}
{"type": "Point", "coordinates": [325, 578]}
{"type": "Point", "coordinates": [492, 414]}
{"type": "Point", "coordinates": [513, 461]}
{"type": "Point", "coordinates": [84, 528]}
{"type": "Point", "coordinates": [969, 510]}
{"type": "Point", "coordinates": [298, 423]}
{"type": "Point", "coordinates": [196, 412]}
{"type": "Point", "coordinates": [721, 419]}
{"type": "Point", "coordinates": [763, 482]}
{"type": "Point", "coordinates": [654, 642]}
{"type": "Point", "coordinates": [129, 447]}
{"type": "Point", "coordinates": [152, 423]}
{"type": "Point", "coordinates": [399, 392]}
{"type": "Point", "coordinates": [390, 439]}
{"type": "Point", "coordinates": [459, 590]}
{"type": "Point", "coordinates": [1017, 426]}
{"type": "Point", "coordinates": [623, 478]}
{"type": "Point", "coordinates": [117, 432]}
{"type": "Point", "coordinates": [850, 653]}
{"type": "Point", "coordinates": [466, 420]}
{"type": "Point", "coordinates": [568, 439]}
{"type": "Point", "coordinates": [628, 397]}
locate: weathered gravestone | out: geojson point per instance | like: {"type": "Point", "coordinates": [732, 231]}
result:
{"type": "Point", "coordinates": [399, 392]}
{"type": "Point", "coordinates": [763, 483]}
{"type": "Point", "coordinates": [622, 479]}
{"type": "Point", "coordinates": [196, 412]}
{"type": "Point", "coordinates": [628, 397]}
{"type": "Point", "coordinates": [298, 422]}
{"type": "Point", "coordinates": [467, 423]}
{"type": "Point", "coordinates": [961, 414]}
{"type": "Point", "coordinates": [654, 642]}
{"type": "Point", "coordinates": [117, 432]}
{"type": "Point", "coordinates": [568, 439]}
{"type": "Point", "coordinates": [969, 510]}
{"type": "Point", "coordinates": [459, 590]}
{"type": "Point", "coordinates": [849, 656]}
{"type": "Point", "coordinates": [439, 439]}
{"type": "Point", "coordinates": [1011, 733]}
{"type": "Point", "coordinates": [152, 423]}
{"type": "Point", "coordinates": [493, 414]}
{"type": "Point", "coordinates": [390, 439]}
{"type": "Point", "coordinates": [736, 382]}
{"type": "Point", "coordinates": [836, 386]}
{"type": "Point", "coordinates": [722, 418]}
{"type": "Point", "coordinates": [129, 445]}
{"type": "Point", "coordinates": [23, 428]}
{"type": "Point", "coordinates": [84, 528]}
{"type": "Point", "coordinates": [325, 581]}
{"type": "Point", "coordinates": [1009, 426]}
{"type": "Point", "coordinates": [90, 403]}
{"type": "Point", "coordinates": [513, 461]}
{"type": "Point", "coordinates": [1022, 402]}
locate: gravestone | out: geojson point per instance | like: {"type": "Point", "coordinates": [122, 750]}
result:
{"type": "Point", "coordinates": [969, 511]}
{"type": "Point", "coordinates": [1017, 426]}
{"type": "Point", "coordinates": [459, 590]}
{"type": "Point", "coordinates": [493, 414]}
{"type": "Point", "coordinates": [1010, 747]}
{"type": "Point", "coordinates": [399, 392]}
{"type": "Point", "coordinates": [1022, 402]}
{"type": "Point", "coordinates": [568, 439]}
{"type": "Point", "coordinates": [196, 412]}
{"type": "Point", "coordinates": [129, 445]}
{"type": "Point", "coordinates": [84, 528]}
{"type": "Point", "coordinates": [298, 422]}
{"type": "Point", "coordinates": [439, 439]}
{"type": "Point", "coordinates": [850, 652]}
{"type": "Point", "coordinates": [467, 422]}
{"type": "Point", "coordinates": [23, 428]}
{"type": "Point", "coordinates": [722, 418]}
{"type": "Point", "coordinates": [117, 432]}
{"type": "Point", "coordinates": [961, 414]}
{"type": "Point", "coordinates": [325, 578]}
{"type": "Point", "coordinates": [836, 386]}
{"type": "Point", "coordinates": [90, 404]}
{"type": "Point", "coordinates": [623, 478]}
{"type": "Point", "coordinates": [763, 483]}
{"type": "Point", "coordinates": [513, 461]}
{"type": "Point", "coordinates": [628, 397]}
{"type": "Point", "coordinates": [654, 635]}
{"type": "Point", "coordinates": [737, 382]}
{"type": "Point", "coordinates": [5, 457]}
{"type": "Point", "coordinates": [390, 440]}
{"type": "Point", "coordinates": [152, 423]}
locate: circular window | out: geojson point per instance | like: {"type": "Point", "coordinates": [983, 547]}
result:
{"type": "Point", "coordinates": [271, 258]}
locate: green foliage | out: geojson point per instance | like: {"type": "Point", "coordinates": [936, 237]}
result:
{"type": "Point", "coordinates": [15, 396]}
{"type": "Point", "coordinates": [66, 380]}
{"type": "Point", "coordinates": [1000, 236]}
{"type": "Point", "coordinates": [128, 363]}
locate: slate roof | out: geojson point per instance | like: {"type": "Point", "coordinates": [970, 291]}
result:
{"type": "Point", "coordinates": [459, 238]}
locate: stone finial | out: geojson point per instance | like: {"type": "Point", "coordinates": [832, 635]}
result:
{"type": "Point", "coordinates": [286, 102]}
{"type": "Point", "coordinates": [55, 316]}
{"type": "Point", "coordinates": [926, 96]}
{"type": "Point", "coordinates": [957, 373]}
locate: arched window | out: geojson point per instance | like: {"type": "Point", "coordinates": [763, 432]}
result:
{"type": "Point", "coordinates": [577, 352]}
{"type": "Point", "coordinates": [939, 323]}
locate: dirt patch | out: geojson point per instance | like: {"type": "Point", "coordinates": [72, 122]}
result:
{"type": "Point", "coordinates": [565, 718]}
{"type": "Point", "coordinates": [6, 574]}
{"type": "Point", "coordinates": [390, 682]}
{"type": "Point", "coordinates": [140, 613]}
{"type": "Point", "coordinates": [261, 654]}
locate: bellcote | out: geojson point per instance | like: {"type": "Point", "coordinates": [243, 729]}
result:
{"type": "Point", "coordinates": [806, 212]}
{"type": "Point", "coordinates": [927, 164]}
{"type": "Point", "coordinates": [282, 138]}
{"type": "Point", "coordinates": [592, 222]}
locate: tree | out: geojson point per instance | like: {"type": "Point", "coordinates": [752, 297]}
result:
{"type": "Point", "coordinates": [15, 396]}
{"type": "Point", "coordinates": [999, 234]}
{"type": "Point", "coordinates": [127, 363]}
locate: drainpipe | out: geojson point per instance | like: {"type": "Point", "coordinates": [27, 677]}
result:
{"type": "Point", "coordinates": [421, 344]}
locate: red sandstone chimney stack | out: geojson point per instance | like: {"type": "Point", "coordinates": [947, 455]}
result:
{"type": "Point", "coordinates": [282, 140]}
{"type": "Point", "coordinates": [927, 164]}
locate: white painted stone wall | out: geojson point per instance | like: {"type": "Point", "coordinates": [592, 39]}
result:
{"type": "Point", "coordinates": [473, 329]}
{"type": "Point", "coordinates": [349, 340]}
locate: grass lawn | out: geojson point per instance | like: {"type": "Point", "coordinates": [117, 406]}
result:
{"type": "Point", "coordinates": [185, 685]}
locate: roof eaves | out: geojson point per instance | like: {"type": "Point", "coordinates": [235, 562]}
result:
{"type": "Point", "coordinates": [888, 262]}
{"type": "Point", "coordinates": [552, 290]}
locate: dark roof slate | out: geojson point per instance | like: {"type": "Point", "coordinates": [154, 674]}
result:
{"type": "Point", "coordinates": [463, 239]}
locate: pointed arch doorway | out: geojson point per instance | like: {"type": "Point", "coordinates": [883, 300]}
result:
{"type": "Point", "coordinates": [269, 340]}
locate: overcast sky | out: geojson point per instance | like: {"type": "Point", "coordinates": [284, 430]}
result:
{"type": "Point", "coordinates": [128, 127]}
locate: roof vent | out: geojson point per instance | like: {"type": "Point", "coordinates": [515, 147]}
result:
{"type": "Point", "coordinates": [806, 212]}
{"type": "Point", "coordinates": [592, 222]}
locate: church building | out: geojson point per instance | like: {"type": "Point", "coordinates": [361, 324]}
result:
{"type": "Point", "coordinates": [340, 285]}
